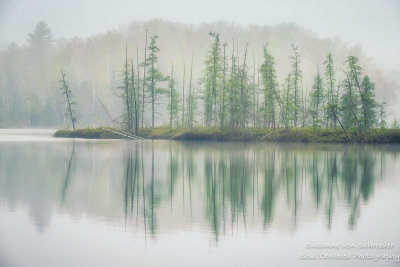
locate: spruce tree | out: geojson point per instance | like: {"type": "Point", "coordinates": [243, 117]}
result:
{"type": "Point", "coordinates": [369, 116]}
{"type": "Point", "coordinates": [245, 93]}
{"type": "Point", "coordinates": [331, 96]}
{"type": "Point", "coordinates": [42, 37]}
{"type": "Point", "coordinates": [288, 103]}
{"type": "Point", "coordinates": [296, 78]}
{"type": "Point", "coordinates": [154, 77]}
{"type": "Point", "coordinates": [144, 64]}
{"type": "Point", "coordinates": [212, 81]}
{"type": "Point", "coordinates": [354, 71]}
{"type": "Point", "coordinates": [223, 94]}
{"type": "Point", "coordinates": [173, 100]}
{"type": "Point", "coordinates": [268, 75]}
{"type": "Point", "coordinates": [317, 101]}
{"type": "Point", "coordinates": [233, 88]}
{"type": "Point", "coordinates": [191, 101]}
{"type": "Point", "coordinates": [382, 115]}
{"type": "Point", "coordinates": [349, 105]}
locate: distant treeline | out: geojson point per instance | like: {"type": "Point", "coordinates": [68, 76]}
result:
{"type": "Point", "coordinates": [213, 80]}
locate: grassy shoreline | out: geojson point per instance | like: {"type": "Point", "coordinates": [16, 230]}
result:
{"type": "Point", "coordinates": [304, 135]}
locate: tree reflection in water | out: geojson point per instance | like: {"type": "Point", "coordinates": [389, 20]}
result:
{"type": "Point", "coordinates": [228, 187]}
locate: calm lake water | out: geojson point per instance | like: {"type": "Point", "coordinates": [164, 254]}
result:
{"type": "Point", "coordinates": [67, 202]}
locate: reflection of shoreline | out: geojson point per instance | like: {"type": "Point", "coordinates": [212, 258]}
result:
{"type": "Point", "coordinates": [230, 187]}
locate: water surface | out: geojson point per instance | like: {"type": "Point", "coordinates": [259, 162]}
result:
{"type": "Point", "coordinates": [67, 202]}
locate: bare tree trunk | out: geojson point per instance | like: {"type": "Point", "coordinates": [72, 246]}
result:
{"type": "Point", "coordinates": [138, 87]}
{"type": "Point", "coordinates": [144, 78]}
{"type": "Point", "coordinates": [127, 93]}
{"type": "Point", "coordinates": [183, 95]}
{"type": "Point", "coordinates": [68, 97]}
{"type": "Point", "coordinates": [190, 118]}
{"type": "Point", "coordinates": [366, 115]}
{"type": "Point", "coordinates": [351, 107]}
{"type": "Point", "coordinates": [171, 97]}
{"type": "Point", "coordinates": [134, 100]}
{"type": "Point", "coordinates": [153, 96]}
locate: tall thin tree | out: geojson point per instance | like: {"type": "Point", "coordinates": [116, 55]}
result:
{"type": "Point", "coordinates": [68, 98]}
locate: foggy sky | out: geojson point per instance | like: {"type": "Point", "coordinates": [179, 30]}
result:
{"type": "Point", "coordinates": [372, 23]}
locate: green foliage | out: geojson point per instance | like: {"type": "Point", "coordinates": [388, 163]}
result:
{"type": "Point", "coordinates": [192, 108]}
{"type": "Point", "coordinates": [129, 92]}
{"type": "Point", "coordinates": [223, 96]}
{"type": "Point", "coordinates": [126, 95]}
{"type": "Point", "coordinates": [395, 124]}
{"type": "Point", "coordinates": [288, 103]}
{"type": "Point", "coordinates": [234, 93]}
{"type": "Point", "coordinates": [349, 104]}
{"type": "Point", "coordinates": [354, 74]}
{"type": "Point", "coordinates": [268, 75]}
{"type": "Point", "coordinates": [331, 95]}
{"type": "Point", "coordinates": [154, 77]}
{"type": "Point", "coordinates": [296, 79]}
{"type": "Point", "coordinates": [212, 81]}
{"type": "Point", "coordinates": [369, 116]}
{"type": "Point", "coordinates": [88, 133]}
{"type": "Point", "coordinates": [240, 91]}
{"type": "Point", "coordinates": [173, 101]}
{"type": "Point", "coordinates": [245, 93]}
{"type": "Point", "coordinates": [191, 101]}
{"type": "Point", "coordinates": [317, 98]}
{"type": "Point", "coordinates": [382, 115]}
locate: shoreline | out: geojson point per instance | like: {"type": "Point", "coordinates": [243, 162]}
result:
{"type": "Point", "coordinates": [300, 135]}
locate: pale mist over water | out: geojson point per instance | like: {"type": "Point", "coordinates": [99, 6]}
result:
{"type": "Point", "coordinates": [152, 203]}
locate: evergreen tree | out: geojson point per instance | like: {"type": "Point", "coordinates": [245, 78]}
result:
{"type": "Point", "coordinates": [239, 91]}
{"type": "Point", "coordinates": [349, 105]}
{"type": "Point", "coordinates": [269, 87]}
{"type": "Point", "coordinates": [296, 76]}
{"type": "Point", "coordinates": [154, 77]}
{"type": "Point", "coordinates": [173, 100]}
{"type": "Point", "coordinates": [254, 91]}
{"type": "Point", "coordinates": [191, 101]}
{"type": "Point", "coordinates": [144, 64]}
{"type": "Point", "coordinates": [331, 96]}
{"type": "Point", "coordinates": [129, 94]}
{"type": "Point", "coordinates": [317, 101]}
{"type": "Point", "coordinates": [369, 116]}
{"type": "Point", "coordinates": [354, 71]}
{"type": "Point", "coordinates": [288, 102]}
{"type": "Point", "coordinates": [395, 124]}
{"type": "Point", "coordinates": [245, 93]}
{"type": "Point", "coordinates": [212, 81]}
{"type": "Point", "coordinates": [42, 37]}
{"type": "Point", "coordinates": [382, 115]}
{"type": "Point", "coordinates": [233, 88]}
{"type": "Point", "coordinates": [223, 94]}
{"type": "Point", "coordinates": [126, 94]}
